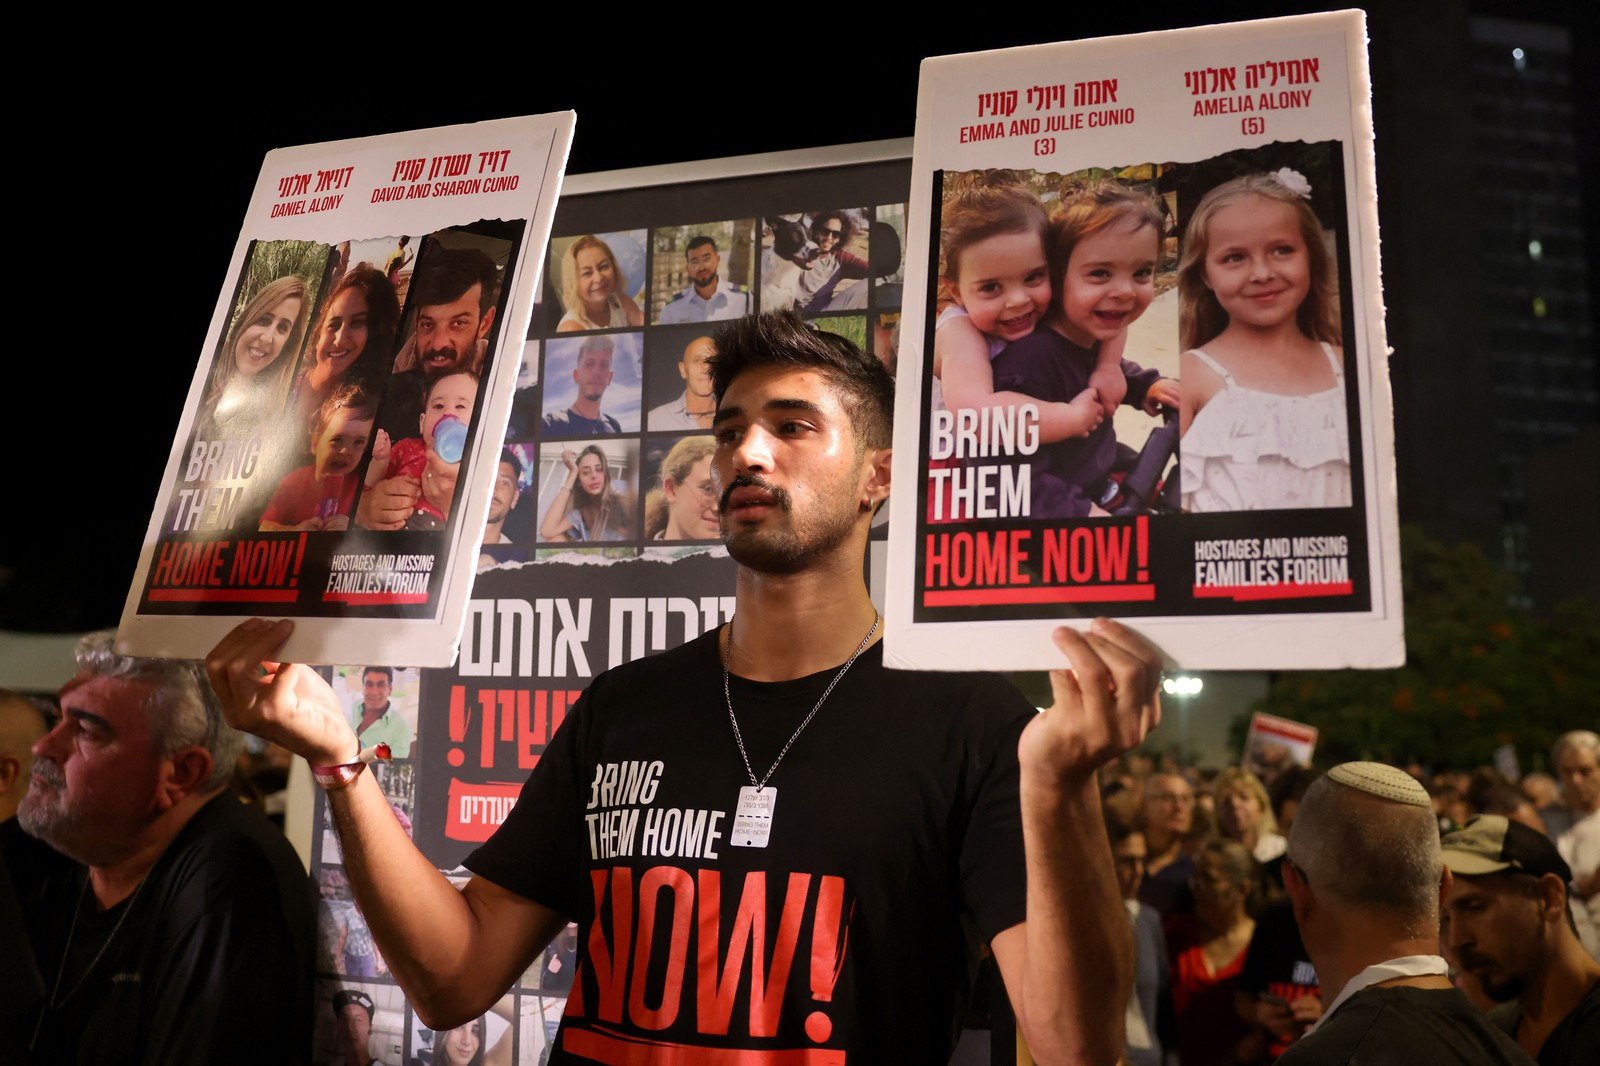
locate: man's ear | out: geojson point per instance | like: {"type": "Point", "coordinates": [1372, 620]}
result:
{"type": "Point", "coordinates": [10, 771]}
{"type": "Point", "coordinates": [182, 775]}
{"type": "Point", "coordinates": [1301, 898]}
{"type": "Point", "coordinates": [1553, 901]}
{"type": "Point", "coordinates": [486, 322]}
{"type": "Point", "coordinates": [875, 480]}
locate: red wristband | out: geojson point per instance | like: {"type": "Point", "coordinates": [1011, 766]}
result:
{"type": "Point", "coordinates": [339, 775]}
{"type": "Point", "coordinates": [333, 778]}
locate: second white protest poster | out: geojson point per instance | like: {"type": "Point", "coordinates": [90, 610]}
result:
{"type": "Point", "coordinates": [1143, 369]}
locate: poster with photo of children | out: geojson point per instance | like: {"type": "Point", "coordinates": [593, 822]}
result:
{"type": "Point", "coordinates": [1141, 363]}
{"type": "Point", "coordinates": [336, 453]}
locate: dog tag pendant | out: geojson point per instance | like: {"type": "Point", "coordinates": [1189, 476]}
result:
{"type": "Point", "coordinates": [752, 819]}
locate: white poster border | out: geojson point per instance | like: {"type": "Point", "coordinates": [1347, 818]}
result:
{"type": "Point", "coordinates": [538, 149]}
{"type": "Point", "coordinates": [1370, 638]}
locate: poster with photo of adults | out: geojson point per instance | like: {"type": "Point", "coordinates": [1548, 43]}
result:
{"type": "Point", "coordinates": [1146, 373]}
{"type": "Point", "coordinates": [335, 456]}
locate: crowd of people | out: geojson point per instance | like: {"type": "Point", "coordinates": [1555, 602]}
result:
{"type": "Point", "coordinates": [1225, 975]}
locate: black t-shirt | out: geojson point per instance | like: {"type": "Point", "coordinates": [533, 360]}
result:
{"type": "Point", "coordinates": [1573, 1042]}
{"type": "Point", "coordinates": [1276, 963]}
{"type": "Point", "coordinates": [1403, 1026]}
{"type": "Point", "coordinates": [570, 422]}
{"type": "Point", "coordinates": [896, 844]}
{"type": "Point", "coordinates": [211, 961]}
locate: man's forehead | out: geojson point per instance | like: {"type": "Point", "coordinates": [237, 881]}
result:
{"type": "Point", "coordinates": [1464, 887]}
{"type": "Point", "coordinates": [119, 701]}
{"type": "Point", "coordinates": [782, 386]}
{"type": "Point", "coordinates": [1576, 759]}
{"type": "Point", "coordinates": [86, 687]}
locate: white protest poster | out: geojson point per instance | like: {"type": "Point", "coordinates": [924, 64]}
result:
{"type": "Point", "coordinates": [1273, 744]}
{"type": "Point", "coordinates": [341, 435]}
{"type": "Point", "coordinates": [1147, 377]}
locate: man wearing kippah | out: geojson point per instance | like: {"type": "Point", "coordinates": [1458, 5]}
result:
{"type": "Point", "coordinates": [1508, 922]}
{"type": "Point", "coordinates": [1365, 879]}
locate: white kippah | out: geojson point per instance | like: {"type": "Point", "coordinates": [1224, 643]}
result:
{"type": "Point", "coordinates": [1378, 779]}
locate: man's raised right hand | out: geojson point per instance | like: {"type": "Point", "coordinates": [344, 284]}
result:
{"type": "Point", "coordinates": [287, 703]}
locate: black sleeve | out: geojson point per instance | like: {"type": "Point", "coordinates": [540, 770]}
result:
{"type": "Point", "coordinates": [537, 851]}
{"type": "Point", "coordinates": [1139, 382]}
{"type": "Point", "coordinates": [994, 872]}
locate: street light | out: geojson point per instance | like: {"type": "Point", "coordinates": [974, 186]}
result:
{"type": "Point", "coordinates": [1184, 687]}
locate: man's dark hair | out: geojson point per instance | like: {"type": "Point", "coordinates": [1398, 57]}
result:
{"type": "Point", "coordinates": [697, 241]}
{"type": "Point", "coordinates": [1119, 826]}
{"type": "Point", "coordinates": [1495, 798]}
{"type": "Point", "coordinates": [447, 274]}
{"type": "Point", "coordinates": [386, 671]}
{"type": "Point", "coordinates": [511, 457]}
{"type": "Point", "coordinates": [847, 225]}
{"type": "Point", "coordinates": [781, 338]}
{"type": "Point", "coordinates": [1291, 784]}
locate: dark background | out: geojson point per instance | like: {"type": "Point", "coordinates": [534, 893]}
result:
{"type": "Point", "coordinates": [134, 161]}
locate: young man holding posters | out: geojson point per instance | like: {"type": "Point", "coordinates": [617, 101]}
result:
{"type": "Point", "coordinates": [915, 807]}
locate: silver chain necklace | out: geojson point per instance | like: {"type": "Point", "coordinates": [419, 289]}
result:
{"type": "Point", "coordinates": [57, 1000]}
{"type": "Point", "coordinates": [727, 695]}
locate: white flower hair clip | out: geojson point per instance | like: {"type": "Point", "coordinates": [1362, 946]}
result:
{"type": "Point", "coordinates": [1294, 181]}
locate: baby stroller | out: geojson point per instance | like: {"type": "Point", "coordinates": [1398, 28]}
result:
{"type": "Point", "coordinates": [1136, 484]}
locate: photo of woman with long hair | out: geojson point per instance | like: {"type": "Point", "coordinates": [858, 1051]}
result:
{"type": "Point", "coordinates": [252, 372]}
{"type": "Point", "coordinates": [589, 505]}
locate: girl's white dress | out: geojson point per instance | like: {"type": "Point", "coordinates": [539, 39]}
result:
{"type": "Point", "coordinates": [1249, 450]}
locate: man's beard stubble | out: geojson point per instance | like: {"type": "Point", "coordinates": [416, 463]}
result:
{"type": "Point", "coordinates": [49, 819]}
{"type": "Point", "coordinates": [784, 551]}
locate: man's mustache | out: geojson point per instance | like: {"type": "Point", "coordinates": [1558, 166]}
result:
{"type": "Point", "coordinates": [48, 771]}
{"type": "Point", "coordinates": [751, 481]}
